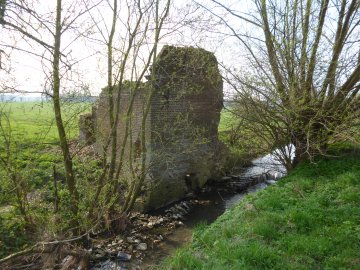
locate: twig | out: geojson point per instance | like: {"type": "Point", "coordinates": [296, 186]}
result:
{"type": "Point", "coordinates": [56, 200]}
{"type": "Point", "coordinates": [221, 196]}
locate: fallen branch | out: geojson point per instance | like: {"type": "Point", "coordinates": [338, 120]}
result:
{"type": "Point", "coordinates": [40, 248]}
{"type": "Point", "coordinates": [17, 254]}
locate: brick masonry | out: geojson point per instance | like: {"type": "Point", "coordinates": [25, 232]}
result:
{"type": "Point", "coordinates": [182, 126]}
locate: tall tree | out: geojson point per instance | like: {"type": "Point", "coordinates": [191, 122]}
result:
{"type": "Point", "coordinates": [40, 33]}
{"type": "Point", "coordinates": [301, 82]}
{"type": "Point", "coordinates": [56, 85]}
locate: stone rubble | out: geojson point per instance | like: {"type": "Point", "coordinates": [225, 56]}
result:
{"type": "Point", "coordinates": [147, 230]}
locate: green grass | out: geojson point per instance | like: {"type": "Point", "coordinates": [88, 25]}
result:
{"type": "Point", "coordinates": [227, 120]}
{"type": "Point", "coordinates": [34, 122]}
{"type": "Point", "coordinates": [242, 145]}
{"type": "Point", "coordinates": [34, 152]}
{"type": "Point", "coordinates": [34, 140]}
{"type": "Point", "coordinates": [12, 233]}
{"type": "Point", "coordinates": [309, 220]}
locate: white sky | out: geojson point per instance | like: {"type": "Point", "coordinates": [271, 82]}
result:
{"type": "Point", "coordinates": [198, 29]}
{"type": "Point", "coordinates": [28, 70]}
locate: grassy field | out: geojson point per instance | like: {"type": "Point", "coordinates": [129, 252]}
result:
{"type": "Point", "coordinates": [227, 120]}
{"type": "Point", "coordinates": [309, 220]}
{"type": "Point", "coordinates": [34, 139]}
{"type": "Point", "coordinates": [35, 121]}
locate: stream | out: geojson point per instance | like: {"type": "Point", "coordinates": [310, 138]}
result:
{"type": "Point", "coordinates": [210, 204]}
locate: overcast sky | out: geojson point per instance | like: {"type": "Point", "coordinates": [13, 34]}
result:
{"type": "Point", "coordinates": [89, 55]}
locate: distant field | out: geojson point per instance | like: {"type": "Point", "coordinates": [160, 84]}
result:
{"type": "Point", "coordinates": [32, 132]}
{"type": "Point", "coordinates": [33, 121]}
{"type": "Point", "coordinates": [226, 121]}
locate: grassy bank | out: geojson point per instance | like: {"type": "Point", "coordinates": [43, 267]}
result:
{"type": "Point", "coordinates": [308, 220]}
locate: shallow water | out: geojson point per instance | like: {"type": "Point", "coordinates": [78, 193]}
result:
{"type": "Point", "coordinates": [210, 206]}
{"type": "Point", "coordinates": [216, 205]}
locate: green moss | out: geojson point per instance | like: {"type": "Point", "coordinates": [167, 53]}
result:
{"type": "Point", "coordinates": [189, 70]}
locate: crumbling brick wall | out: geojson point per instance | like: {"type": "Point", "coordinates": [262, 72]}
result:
{"type": "Point", "coordinates": [186, 113]}
{"type": "Point", "coordinates": [86, 126]}
{"type": "Point", "coordinates": [102, 121]}
{"type": "Point", "coordinates": [182, 126]}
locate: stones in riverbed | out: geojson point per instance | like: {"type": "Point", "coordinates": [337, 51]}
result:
{"type": "Point", "coordinates": [122, 256]}
{"type": "Point", "coordinates": [132, 240]}
{"type": "Point", "coordinates": [179, 210]}
{"type": "Point", "coordinates": [108, 264]}
{"type": "Point", "coordinates": [160, 220]}
{"type": "Point", "coordinates": [99, 254]}
{"type": "Point", "coordinates": [179, 223]}
{"type": "Point", "coordinates": [145, 233]}
{"type": "Point", "coordinates": [142, 236]}
{"type": "Point", "coordinates": [151, 224]}
{"type": "Point", "coordinates": [141, 246]}
{"type": "Point", "coordinates": [177, 216]}
{"type": "Point", "coordinates": [144, 222]}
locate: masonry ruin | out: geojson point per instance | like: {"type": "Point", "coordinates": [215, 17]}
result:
{"type": "Point", "coordinates": [183, 150]}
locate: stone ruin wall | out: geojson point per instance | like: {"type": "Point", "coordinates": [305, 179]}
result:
{"type": "Point", "coordinates": [186, 109]}
{"type": "Point", "coordinates": [101, 120]}
{"type": "Point", "coordinates": [182, 126]}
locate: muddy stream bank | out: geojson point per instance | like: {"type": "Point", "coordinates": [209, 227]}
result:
{"type": "Point", "coordinates": [161, 232]}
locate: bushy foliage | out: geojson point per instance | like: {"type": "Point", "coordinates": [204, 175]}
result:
{"type": "Point", "coordinates": [29, 154]}
{"type": "Point", "coordinates": [13, 235]}
{"type": "Point", "coordinates": [241, 144]}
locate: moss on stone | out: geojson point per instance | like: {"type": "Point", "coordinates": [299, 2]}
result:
{"type": "Point", "coordinates": [189, 70]}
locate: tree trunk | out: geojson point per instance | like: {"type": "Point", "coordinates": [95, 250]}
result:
{"type": "Point", "coordinates": [300, 155]}
{"type": "Point", "coordinates": [70, 179]}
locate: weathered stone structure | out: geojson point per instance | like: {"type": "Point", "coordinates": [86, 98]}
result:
{"type": "Point", "coordinates": [183, 150]}
{"type": "Point", "coordinates": [86, 126]}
